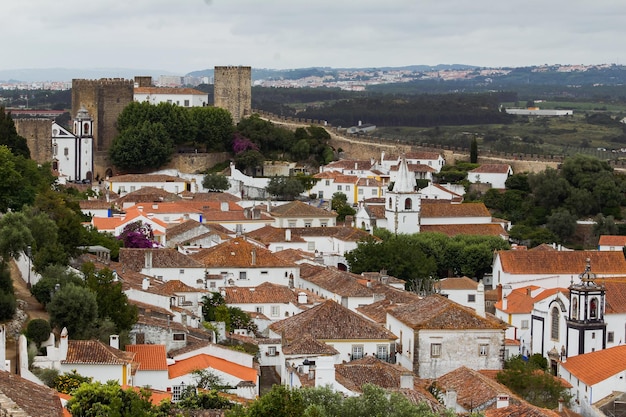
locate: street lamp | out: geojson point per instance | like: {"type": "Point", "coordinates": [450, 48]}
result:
{"type": "Point", "coordinates": [29, 254]}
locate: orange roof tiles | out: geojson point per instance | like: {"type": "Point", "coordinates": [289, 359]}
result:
{"type": "Point", "coordinates": [612, 240]}
{"type": "Point", "coordinates": [492, 169]}
{"type": "Point", "coordinates": [95, 352]}
{"type": "Point", "coordinates": [522, 301]}
{"type": "Point", "coordinates": [594, 367]}
{"type": "Point", "coordinates": [615, 295]}
{"type": "Point", "coordinates": [490, 229]}
{"type": "Point", "coordinates": [461, 283]}
{"type": "Point", "coordinates": [239, 253]}
{"type": "Point", "coordinates": [299, 209]}
{"type": "Point", "coordinates": [150, 357]}
{"type": "Point", "coordinates": [474, 390]}
{"type": "Point", "coordinates": [264, 293]}
{"type": "Point", "coordinates": [454, 210]}
{"type": "Point", "coordinates": [562, 262]}
{"type": "Point", "coordinates": [204, 361]}
{"type": "Point", "coordinates": [33, 399]}
{"type": "Point", "coordinates": [145, 178]}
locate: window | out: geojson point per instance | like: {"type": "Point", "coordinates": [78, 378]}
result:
{"type": "Point", "coordinates": [181, 271]}
{"type": "Point", "coordinates": [339, 188]}
{"type": "Point", "coordinates": [178, 336]}
{"type": "Point", "coordinates": [177, 392]}
{"type": "Point", "coordinates": [435, 350]}
{"type": "Point", "coordinates": [323, 224]}
{"type": "Point", "coordinates": [307, 223]}
{"type": "Point", "coordinates": [310, 246]}
{"type": "Point", "coordinates": [327, 182]}
{"type": "Point", "coordinates": [471, 298]}
{"type": "Point", "coordinates": [243, 275]}
{"type": "Point", "coordinates": [66, 151]}
{"type": "Point", "coordinates": [212, 284]}
{"type": "Point", "coordinates": [357, 352]}
{"type": "Point", "coordinates": [132, 188]}
{"type": "Point", "coordinates": [610, 337]}
{"type": "Point", "coordinates": [271, 351]}
{"type": "Point", "coordinates": [275, 311]}
{"type": "Point", "coordinates": [291, 223]}
{"type": "Point", "coordinates": [374, 191]}
{"type": "Point", "coordinates": [575, 308]}
{"type": "Point", "coordinates": [382, 352]}
{"type": "Point", "coordinates": [524, 324]}
{"type": "Point", "coordinates": [320, 194]}
{"type": "Point", "coordinates": [360, 191]}
{"type": "Point", "coordinates": [390, 202]}
{"type": "Point", "coordinates": [264, 272]}
{"type": "Point", "coordinates": [483, 350]}
{"type": "Point", "coordinates": [593, 308]}
{"type": "Point", "coordinates": [259, 310]}
{"type": "Point", "coordinates": [408, 204]}
{"type": "Point", "coordinates": [347, 188]}
{"type": "Point", "coordinates": [186, 103]}
{"type": "Point", "coordinates": [554, 329]}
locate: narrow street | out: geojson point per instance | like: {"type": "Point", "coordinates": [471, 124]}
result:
{"type": "Point", "coordinates": [28, 308]}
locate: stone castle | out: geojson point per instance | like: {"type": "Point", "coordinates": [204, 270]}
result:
{"type": "Point", "coordinates": [106, 98]}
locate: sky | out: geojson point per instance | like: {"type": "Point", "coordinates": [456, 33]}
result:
{"type": "Point", "coordinates": [181, 36]}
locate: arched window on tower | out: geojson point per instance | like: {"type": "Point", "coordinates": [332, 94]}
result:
{"type": "Point", "coordinates": [575, 308]}
{"type": "Point", "coordinates": [408, 204]}
{"type": "Point", "coordinates": [85, 128]}
{"type": "Point", "coordinates": [554, 329]}
{"type": "Point", "coordinates": [593, 308]}
{"type": "Point", "coordinates": [390, 202]}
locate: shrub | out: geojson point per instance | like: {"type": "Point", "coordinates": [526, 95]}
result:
{"type": "Point", "coordinates": [38, 330]}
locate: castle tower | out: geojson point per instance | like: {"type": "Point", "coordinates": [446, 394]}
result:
{"type": "Point", "coordinates": [233, 91]}
{"type": "Point", "coordinates": [402, 208]}
{"type": "Point", "coordinates": [104, 100]}
{"type": "Point", "coordinates": [586, 328]}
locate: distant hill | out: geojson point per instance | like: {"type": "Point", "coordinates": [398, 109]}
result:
{"type": "Point", "coordinates": [67, 74]}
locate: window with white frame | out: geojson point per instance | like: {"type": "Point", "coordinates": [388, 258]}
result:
{"type": "Point", "coordinates": [610, 337]}
{"type": "Point", "coordinates": [554, 328]}
{"type": "Point", "coordinates": [524, 324]}
{"type": "Point", "coordinates": [339, 188]}
{"type": "Point", "coordinates": [243, 275]}
{"type": "Point", "coordinates": [435, 350]}
{"type": "Point", "coordinates": [310, 246]}
{"type": "Point", "coordinates": [347, 188]}
{"type": "Point", "coordinates": [291, 223]}
{"type": "Point", "coordinates": [374, 191]}
{"type": "Point", "coordinates": [271, 351]}
{"type": "Point", "coordinates": [382, 352]}
{"type": "Point", "coordinates": [360, 191]}
{"type": "Point", "coordinates": [357, 352]}
{"type": "Point", "coordinates": [259, 309]}
{"type": "Point", "coordinates": [471, 298]}
{"type": "Point", "coordinates": [275, 311]}
{"type": "Point", "coordinates": [327, 182]}
{"type": "Point", "coordinates": [307, 223]}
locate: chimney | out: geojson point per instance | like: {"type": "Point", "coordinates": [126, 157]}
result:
{"type": "Point", "coordinates": [114, 341]}
{"type": "Point", "coordinates": [63, 344]}
{"type": "Point", "coordinates": [253, 254]}
{"type": "Point", "coordinates": [224, 206]}
{"type": "Point", "coordinates": [148, 259]}
{"type": "Point", "coordinates": [145, 284]}
{"type": "Point", "coordinates": [505, 304]}
{"type": "Point", "coordinates": [356, 165]}
{"type": "Point", "coordinates": [406, 381]}
{"type": "Point", "coordinates": [502, 401]}
{"type": "Point", "coordinates": [499, 290]}
{"type": "Point", "coordinates": [302, 298]}
{"type": "Point", "coordinates": [561, 401]}
{"type": "Point", "coordinates": [288, 235]}
{"type": "Point", "coordinates": [480, 299]}
{"type": "Point", "coordinates": [360, 123]}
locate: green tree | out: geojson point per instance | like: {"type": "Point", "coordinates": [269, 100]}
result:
{"type": "Point", "coordinates": [53, 277]}
{"type": "Point", "coordinates": [14, 235]}
{"type": "Point", "coordinates": [213, 127]}
{"type": "Point", "coordinates": [562, 223]}
{"type": "Point", "coordinates": [38, 330]}
{"type": "Point", "coordinates": [339, 203]}
{"type": "Point", "coordinates": [75, 308]}
{"type": "Point", "coordinates": [210, 303]}
{"type": "Point", "coordinates": [206, 379]}
{"type": "Point", "coordinates": [9, 137]}
{"type": "Point", "coordinates": [474, 151]}
{"type": "Point", "coordinates": [69, 382]}
{"type": "Point", "coordinates": [12, 179]}
{"type": "Point", "coordinates": [285, 188]}
{"type": "Point", "coordinates": [143, 147]}
{"type": "Point", "coordinates": [532, 382]}
{"type": "Point", "coordinates": [248, 161]}
{"type": "Point", "coordinates": [104, 400]}
{"type": "Point", "coordinates": [215, 182]}
{"type": "Point", "coordinates": [111, 299]}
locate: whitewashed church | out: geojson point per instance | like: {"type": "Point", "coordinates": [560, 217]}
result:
{"type": "Point", "coordinates": [72, 152]}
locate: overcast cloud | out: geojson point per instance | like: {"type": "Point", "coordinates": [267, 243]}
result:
{"type": "Point", "coordinates": [181, 36]}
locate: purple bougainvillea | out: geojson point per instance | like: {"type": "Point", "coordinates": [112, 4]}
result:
{"type": "Point", "coordinates": [242, 144]}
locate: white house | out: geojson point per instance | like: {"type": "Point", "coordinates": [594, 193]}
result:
{"type": "Point", "coordinates": [437, 335]}
{"type": "Point", "coordinates": [431, 159]}
{"type": "Point", "coordinates": [299, 214]}
{"type": "Point", "coordinates": [117, 224]}
{"type": "Point", "coordinates": [594, 376]}
{"type": "Point", "coordinates": [152, 370]}
{"type": "Point", "coordinates": [183, 97]}
{"type": "Point", "coordinates": [331, 182]}
{"type": "Point", "coordinates": [164, 264]}
{"type": "Point", "coordinates": [450, 192]}
{"type": "Point", "coordinates": [611, 242]}
{"type": "Point", "coordinates": [123, 184]}
{"type": "Point", "coordinates": [461, 290]}
{"type": "Point", "coordinates": [494, 174]}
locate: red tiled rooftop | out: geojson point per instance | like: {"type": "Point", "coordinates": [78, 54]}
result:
{"type": "Point", "coordinates": [594, 367]}
{"type": "Point", "coordinates": [204, 361]}
{"type": "Point", "coordinates": [150, 357]}
{"type": "Point", "coordinates": [562, 262]}
{"type": "Point", "coordinates": [612, 240]}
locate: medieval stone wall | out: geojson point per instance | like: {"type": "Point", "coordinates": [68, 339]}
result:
{"type": "Point", "coordinates": [195, 163]}
{"type": "Point", "coordinates": [232, 90]}
{"type": "Point", "coordinates": [38, 134]}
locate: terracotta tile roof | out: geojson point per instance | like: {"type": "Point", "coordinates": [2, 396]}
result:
{"type": "Point", "coordinates": [452, 230]}
{"type": "Point", "coordinates": [307, 345]}
{"type": "Point", "coordinates": [492, 169]}
{"type": "Point", "coordinates": [348, 234]}
{"type": "Point", "coordinates": [612, 240]}
{"type": "Point", "coordinates": [543, 246]}
{"type": "Point", "coordinates": [594, 367]}
{"type": "Point", "coordinates": [262, 294]}
{"type": "Point", "coordinates": [186, 226]}
{"type": "Point", "coordinates": [204, 361]}
{"type": "Point", "coordinates": [562, 262]}
{"type": "Point", "coordinates": [382, 275]}
{"type": "Point", "coordinates": [415, 155]}
{"type": "Point", "coordinates": [176, 286]}
{"type": "Point", "coordinates": [390, 293]}
{"type": "Point", "coordinates": [135, 258]}
{"type": "Point", "coordinates": [299, 209]}
{"type": "Point", "coordinates": [95, 352]}
{"type": "Point", "coordinates": [437, 312]}
{"type": "Point", "coordinates": [150, 357]}
{"type": "Point", "coordinates": [522, 301]}
{"type": "Point", "coordinates": [239, 253]}
{"type": "Point", "coordinates": [95, 204]}
{"type": "Point", "coordinates": [369, 182]}
{"type": "Point", "coordinates": [461, 283]}
{"type": "Point", "coordinates": [330, 321]}
{"type": "Point", "coordinates": [375, 211]}
{"type": "Point", "coordinates": [145, 178]}
{"type": "Point", "coordinates": [414, 168]}
{"type": "Point", "coordinates": [269, 234]}
{"type": "Point", "coordinates": [376, 312]}
{"type": "Point", "coordinates": [453, 210]}
{"type": "Point", "coordinates": [33, 399]}
{"type": "Point", "coordinates": [474, 390]}
{"type": "Point", "coordinates": [147, 195]}
{"type": "Point", "coordinates": [369, 370]}
{"type": "Point", "coordinates": [169, 91]}
{"type": "Point", "coordinates": [295, 255]}
{"type": "Point", "coordinates": [615, 295]}
{"type": "Point", "coordinates": [342, 283]}
{"type": "Point", "coordinates": [307, 269]}
{"type": "Point", "coordinates": [168, 207]}
{"type": "Point", "coordinates": [214, 197]}
{"type": "Point", "coordinates": [520, 410]}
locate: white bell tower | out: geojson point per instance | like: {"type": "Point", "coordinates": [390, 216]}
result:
{"type": "Point", "coordinates": [403, 204]}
